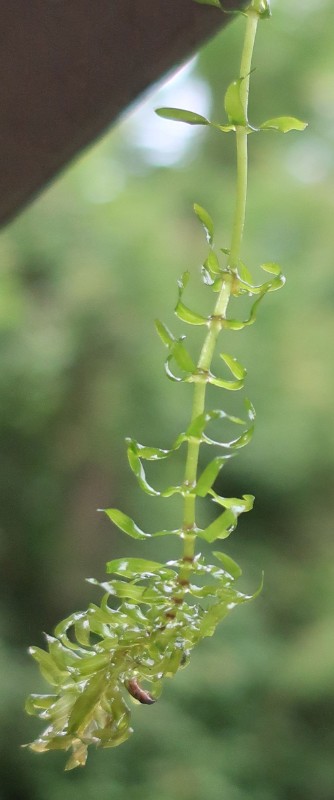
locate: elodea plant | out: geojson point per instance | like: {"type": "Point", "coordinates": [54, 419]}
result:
{"type": "Point", "coordinates": [152, 614]}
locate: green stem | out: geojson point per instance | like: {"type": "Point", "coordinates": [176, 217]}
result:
{"type": "Point", "coordinates": [206, 355]}
{"type": "Point", "coordinates": [241, 140]}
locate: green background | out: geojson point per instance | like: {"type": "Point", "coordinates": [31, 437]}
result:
{"type": "Point", "coordinates": [84, 272]}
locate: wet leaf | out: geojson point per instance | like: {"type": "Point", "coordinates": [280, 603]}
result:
{"type": "Point", "coordinates": [165, 335]}
{"type": "Point", "coordinates": [223, 128]}
{"type": "Point", "coordinates": [228, 563]}
{"type": "Point", "coordinates": [84, 706]}
{"type": "Point", "coordinates": [236, 504]}
{"type": "Point", "coordinates": [284, 124]}
{"type": "Point", "coordinates": [181, 311]}
{"type": "Point", "coordinates": [225, 384]}
{"type": "Point", "coordinates": [209, 475]}
{"type": "Point", "coordinates": [60, 742]}
{"type": "Point", "coordinates": [78, 757]}
{"type": "Point", "coordinates": [226, 523]}
{"type": "Point", "coordinates": [198, 425]}
{"type": "Point", "coordinates": [236, 324]}
{"type": "Point", "coordinates": [127, 525]}
{"type": "Point", "coordinates": [138, 470]}
{"type": "Point", "coordinates": [47, 665]}
{"type": "Point", "coordinates": [221, 528]}
{"type": "Point", "coordinates": [131, 567]}
{"type": "Point", "coordinates": [206, 221]}
{"type": "Point", "coordinates": [182, 115]}
{"type": "Point", "coordinates": [39, 702]}
{"type": "Point", "coordinates": [148, 453]}
{"type": "Point", "coordinates": [215, 3]}
{"type": "Point", "coordinates": [182, 357]}
{"type": "Point", "coordinates": [233, 104]}
{"type": "Point", "coordinates": [187, 315]}
{"type": "Point", "coordinates": [234, 365]}
{"type": "Point", "coordinates": [130, 591]}
{"type": "Point", "coordinates": [211, 264]}
{"type": "Point", "coordinates": [244, 273]}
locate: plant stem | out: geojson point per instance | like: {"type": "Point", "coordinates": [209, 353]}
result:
{"type": "Point", "coordinates": [215, 324]}
{"type": "Point", "coordinates": [241, 141]}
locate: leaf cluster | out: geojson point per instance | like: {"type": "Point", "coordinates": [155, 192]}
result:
{"type": "Point", "coordinates": [151, 614]}
{"type": "Point", "coordinates": [95, 656]}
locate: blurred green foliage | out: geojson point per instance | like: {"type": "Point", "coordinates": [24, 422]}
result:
{"type": "Point", "coordinates": [84, 273]}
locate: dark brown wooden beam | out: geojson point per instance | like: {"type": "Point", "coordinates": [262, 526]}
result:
{"type": "Point", "coordinates": [69, 67]}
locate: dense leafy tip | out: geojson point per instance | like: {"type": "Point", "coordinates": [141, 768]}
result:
{"type": "Point", "coordinates": [100, 658]}
{"type": "Point", "coordinates": [96, 657]}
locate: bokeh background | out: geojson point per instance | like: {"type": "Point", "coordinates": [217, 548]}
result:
{"type": "Point", "coordinates": [84, 272]}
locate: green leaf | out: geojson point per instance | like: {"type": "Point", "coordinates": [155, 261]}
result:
{"type": "Point", "coordinates": [61, 656]}
{"type": "Point", "coordinates": [227, 521]}
{"type": "Point", "coordinates": [198, 425]}
{"type": "Point", "coordinates": [183, 312]}
{"type": "Point", "coordinates": [124, 523]}
{"type": "Point", "coordinates": [229, 564]}
{"type": "Point", "coordinates": [187, 315]}
{"type": "Point", "coordinates": [47, 665]}
{"type": "Point", "coordinates": [223, 128]}
{"type": "Point", "coordinates": [221, 528]}
{"type": "Point", "coordinates": [233, 444]}
{"type": "Point", "coordinates": [182, 357]}
{"type": "Point", "coordinates": [244, 273]}
{"type": "Point", "coordinates": [284, 124]}
{"type": "Point", "coordinates": [211, 263]}
{"type": "Point", "coordinates": [138, 470]}
{"type": "Point", "coordinates": [236, 504]}
{"type": "Point", "coordinates": [215, 3]}
{"type": "Point", "coordinates": [209, 475]}
{"type": "Point", "coordinates": [244, 284]}
{"type": "Point", "coordinates": [148, 453]}
{"type": "Point", "coordinates": [165, 335]}
{"type": "Point", "coordinates": [130, 567]}
{"type": "Point", "coordinates": [84, 706]}
{"type": "Point", "coordinates": [39, 702]}
{"type": "Point", "coordinates": [57, 742]}
{"type": "Point", "coordinates": [62, 628]}
{"type": "Point", "coordinates": [233, 104]}
{"type": "Point", "coordinates": [225, 384]}
{"type": "Point", "coordinates": [183, 281]}
{"type": "Point", "coordinates": [206, 221]}
{"type": "Point", "coordinates": [273, 269]}
{"type": "Point", "coordinates": [182, 115]}
{"type": "Point", "coordinates": [177, 352]}
{"type": "Point", "coordinates": [219, 610]}
{"type": "Point", "coordinates": [236, 324]}
{"type": "Point", "coordinates": [127, 525]}
{"type": "Point", "coordinates": [122, 589]}
{"type": "Point", "coordinates": [234, 365]}
{"type": "Point", "coordinates": [82, 631]}
{"type": "Point", "coordinates": [238, 371]}
{"type": "Point", "coordinates": [93, 663]}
